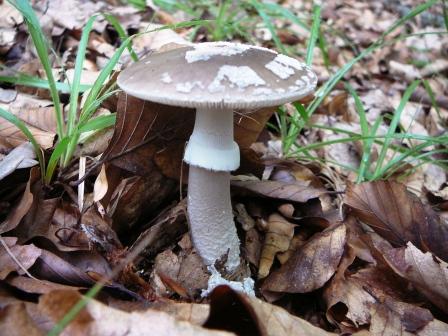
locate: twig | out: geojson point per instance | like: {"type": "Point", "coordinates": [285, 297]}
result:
{"type": "Point", "coordinates": [13, 257]}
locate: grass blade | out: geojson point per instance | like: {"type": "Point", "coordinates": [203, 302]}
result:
{"type": "Point", "coordinates": [80, 57]}
{"type": "Point", "coordinates": [40, 43]}
{"type": "Point", "coordinates": [268, 23]}
{"type": "Point", "coordinates": [32, 81]}
{"type": "Point", "coordinates": [393, 126]}
{"type": "Point", "coordinates": [98, 123]}
{"type": "Point", "coordinates": [329, 85]}
{"type": "Point", "coordinates": [314, 35]}
{"type": "Point", "coordinates": [58, 152]}
{"type": "Point", "coordinates": [278, 10]}
{"type": "Point", "coordinates": [121, 34]}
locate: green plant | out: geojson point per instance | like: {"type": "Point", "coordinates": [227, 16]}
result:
{"type": "Point", "coordinates": [80, 118]}
{"type": "Point", "coordinates": [290, 126]}
{"type": "Point", "coordinates": [234, 19]}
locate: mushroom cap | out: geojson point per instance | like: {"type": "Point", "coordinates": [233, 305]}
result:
{"type": "Point", "coordinates": [218, 75]}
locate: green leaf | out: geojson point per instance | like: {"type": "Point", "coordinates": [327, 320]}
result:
{"type": "Point", "coordinates": [80, 57]}
{"type": "Point", "coordinates": [314, 35]}
{"type": "Point", "coordinates": [58, 152]}
{"type": "Point", "coordinates": [40, 43]}
{"type": "Point", "coordinates": [98, 123]}
{"type": "Point", "coordinates": [393, 126]}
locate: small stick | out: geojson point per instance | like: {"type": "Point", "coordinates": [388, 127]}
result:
{"type": "Point", "coordinates": [82, 172]}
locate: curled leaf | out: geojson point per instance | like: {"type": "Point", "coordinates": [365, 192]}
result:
{"type": "Point", "coordinates": [311, 266]}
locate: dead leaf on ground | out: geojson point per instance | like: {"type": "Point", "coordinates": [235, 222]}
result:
{"type": "Point", "coordinates": [277, 239]}
{"type": "Point", "coordinates": [36, 286]}
{"type": "Point", "coordinates": [99, 319]}
{"type": "Point", "coordinates": [22, 156]}
{"type": "Point", "coordinates": [312, 265]}
{"type": "Point", "coordinates": [391, 317]}
{"type": "Point", "coordinates": [25, 255]}
{"type": "Point", "coordinates": [196, 313]}
{"type": "Point", "coordinates": [244, 315]}
{"type": "Point", "coordinates": [22, 207]}
{"type": "Point", "coordinates": [37, 114]}
{"type": "Point", "coordinates": [398, 216]}
{"type": "Point", "coordinates": [294, 192]}
{"type": "Point", "coordinates": [425, 271]}
{"type": "Point", "coordinates": [15, 321]}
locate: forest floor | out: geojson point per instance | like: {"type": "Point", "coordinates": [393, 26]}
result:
{"type": "Point", "coordinates": [340, 202]}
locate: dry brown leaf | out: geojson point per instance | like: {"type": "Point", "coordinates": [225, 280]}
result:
{"type": "Point", "coordinates": [277, 239]}
{"type": "Point", "coordinates": [25, 255]}
{"type": "Point", "coordinates": [156, 40]}
{"type": "Point", "coordinates": [101, 185]}
{"type": "Point", "coordinates": [398, 216]}
{"type": "Point", "coordinates": [426, 272]}
{"type": "Point", "coordinates": [196, 313]}
{"type": "Point", "coordinates": [15, 321]}
{"type": "Point", "coordinates": [294, 192]}
{"type": "Point", "coordinates": [356, 300]}
{"type": "Point", "coordinates": [246, 315]}
{"type": "Point", "coordinates": [35, 286]}
{"type": "Point", "coordinates": [99, 319]}
{"type": "Point", "coordinates": [391, 317]}
{"type": "Point", "coordinates": [312, 265]}
{"type": "Point", "coordinates": [37, 114]}
{"type": "Point", "coordinates": [253, 244]}
{"type": "Point", "coordinates": [22, 156]}
{"type": "Point", "coordinates": [21, 209]}
{"type": "Point", "coordinates": [169, 226]}
{"type": "Point", "coordinates": [70, 14]}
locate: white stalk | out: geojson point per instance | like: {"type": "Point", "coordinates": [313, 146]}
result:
{"type": "Point", "coordinates": [212, 154]}
{"type": "Point", "coordinates": [211, 219]}
{"type": "Point", "coordinates": [211, 144]}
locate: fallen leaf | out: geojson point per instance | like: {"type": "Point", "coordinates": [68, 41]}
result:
{"type": "Point", "coordinates": [15, 321]}
{"type": "Point", "coordinates": [348, 292]}
{"type": "Point", "coordinates": [71, 14]}
{"type": "Point", "coordinates": [398, 216]}
{"type": "Point", "coordinates": [312, 265]}
{"type": "Point", "coordinates": [244, 315]}
{"type": "Point", "coordinates": [53, 268]}
{"type": "Point", "coordinates": [391, 317]}
{"type": "Point", "coordinates": [38, 115]}
{"type": "Point", "coordinates": [99, 319]}
{"type": "Point", "coordinates": [22, 156]}
{"type": "Point", "coordinates": [101, 185]}
{"type": "Point", "coordinates": [17, 258]}
{"type": "Point", "coordinates": [21, 209]}
{"type": "Point", "coordinates": [36, 286]}
{"type": "Point", "coordinates": [195, 313]}
{"type": "Point", "coordinates": [294, 192]}
{"type": "Point", "coordinates": [277, 239]}
{"type": "Point", "coordinates": [6, 96]}
{"type": "Point", "coordinates": [426, 272]}
{"type": "Point", "coordinates": [169, 226]}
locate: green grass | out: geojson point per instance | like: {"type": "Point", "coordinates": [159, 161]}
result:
{"type": "Point", "coordinates": [290, 127]}
{"type": "Point", "coordinates": [79, 118]}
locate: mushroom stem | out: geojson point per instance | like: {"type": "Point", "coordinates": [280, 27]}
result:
{"type": "Point", "coordinates": [210, 215]}
{"type": "Point", "coordinates": [211, 144]}
{"type": "Point", "coordinates": [212, 154]}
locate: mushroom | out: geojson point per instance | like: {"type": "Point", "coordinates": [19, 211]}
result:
{"type": "Point", "coordinates": [216, 78]}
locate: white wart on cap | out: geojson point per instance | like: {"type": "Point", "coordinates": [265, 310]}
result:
{"type": "Point", "coordinates": [219, 74]}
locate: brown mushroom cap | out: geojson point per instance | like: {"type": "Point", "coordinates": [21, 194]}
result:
{"type": "Point", "coordinates": [218, 75]}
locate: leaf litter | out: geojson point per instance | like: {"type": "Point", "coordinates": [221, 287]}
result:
{"type": "Point", "coordinates": [329, 255]}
